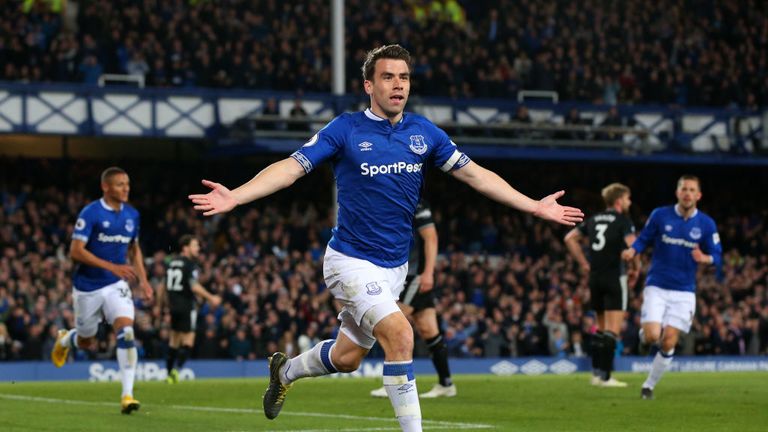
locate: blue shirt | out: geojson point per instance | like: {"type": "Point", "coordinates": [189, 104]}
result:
{"type": "Point", "coordinates": [379, 170]}
{"type": "Point", "coordinates": [107, 234]}
{"type": "Point", "coordinates": [673, 238]}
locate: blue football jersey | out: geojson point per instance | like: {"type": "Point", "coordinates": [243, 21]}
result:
{"type": "Point", "coordinates": [673, 239]}
{"type": "Point", "coordinates": [107, 234]}
{"type": "Point", "coordinates": [379, 170]}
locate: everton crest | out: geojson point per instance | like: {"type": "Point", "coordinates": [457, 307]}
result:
{"type": "Point", "coordinates": [418, 145]}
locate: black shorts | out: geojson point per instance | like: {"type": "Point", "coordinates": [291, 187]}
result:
{"type": "Point", "coordinates": [415, 299]}
{"type": "Point", "coordinates": [183, 320]}
{"type": "Point", "coordinates": [608, 291]}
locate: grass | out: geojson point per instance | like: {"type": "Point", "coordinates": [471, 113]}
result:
{"type": "Point", "coordinates": [684, 402]}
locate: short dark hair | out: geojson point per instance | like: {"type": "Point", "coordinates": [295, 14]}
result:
{"type": "Point", "coordinates": [613, 192]}
{"type": "Point", "coordinates": [394, 51]}
{"type": "Point", "coordinates": [688, 177]}
{"type": "Point", "coordinates": [186, 240]}
{"type": "Point", "coordinates": [111, 172]}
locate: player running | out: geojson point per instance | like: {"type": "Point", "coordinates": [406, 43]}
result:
{"type": "Point", "coordinates": [105, 239]}
{"type": "Point", "coordinates": [682, 237]}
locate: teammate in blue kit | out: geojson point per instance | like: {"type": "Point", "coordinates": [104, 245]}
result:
{"type": "Point", "coordinates": [105, 239]}
{"type": "Point", "coordinates": [682, 237]}
{"type": "Point", "coordinates": [379, 157]}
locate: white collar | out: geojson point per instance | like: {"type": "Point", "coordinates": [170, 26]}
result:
{"type": "Point", "coordinates": [679, 213]}
{"type": "Point", "coordinates": [372, 116]}
{"type": "Point", "coordinates": [106, 206]}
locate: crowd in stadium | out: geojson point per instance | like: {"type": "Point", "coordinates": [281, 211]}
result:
{"type": "Point", "coordinates": [712, 53]}
{"type": "Point", "coordinates": [506, 285]}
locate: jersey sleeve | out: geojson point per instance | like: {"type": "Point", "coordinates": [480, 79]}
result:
{"type": "Point", "coordinates": [446, 155]}
{"type": "Point", "coordinates": [710, 244]}
{"type": "Point", "coordinates": [649, 232]}
{"type": "Point", "coordinates": [324, 145]}
{"type": "Point", "coordinates": [423, 217]}
{"type": "Point", "coordinates": [84, 225]}
{"type": "Point", "coordinates": [192, 274]}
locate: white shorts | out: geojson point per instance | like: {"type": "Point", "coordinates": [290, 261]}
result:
{"type": "Point", "coordinates": [112, 301]}
{"type": "Point", "coordinates": [668, 307]}
{"type": "Point", "coordinates": [367, 292]}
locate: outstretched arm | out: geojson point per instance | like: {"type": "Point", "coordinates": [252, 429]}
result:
{"type": "Point", "coordinates": [494, 187]}
{"type": "Point", "coordinates": [271, 179]}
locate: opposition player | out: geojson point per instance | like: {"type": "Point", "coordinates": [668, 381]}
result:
{"type": "Point", "coordinates": [417, 300]}
{"type": "Point", "coordinates": [379, 157]}
{"type": "Point", "coordinates": [181, 286]}
{"type": "Point", "coordinates": [609, 233]}
{"type": "Point", "coordinates": [682, 237]}
{"type": "Point", "coordinates": [105, 239]}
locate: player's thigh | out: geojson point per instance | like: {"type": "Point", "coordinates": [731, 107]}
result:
{"type": "Point", "coordinates": [118, 302]}
{"type": "Point", "coordinates": [681, 307]}
{"type": "Point", "coordinates": [654, 305]}
{"type": "Point", "coordinates": [366, 291]}
{"type": "Point", "coordinates": [88, 310]}
{"type": "Point", "coordinates": [395, 335]}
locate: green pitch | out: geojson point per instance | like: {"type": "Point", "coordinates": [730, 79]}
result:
{"type": "Point", "coordinates": [684, 402]}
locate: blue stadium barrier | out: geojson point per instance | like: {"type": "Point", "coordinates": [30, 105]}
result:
{"type": "Point", "coordinates": [195, 369]}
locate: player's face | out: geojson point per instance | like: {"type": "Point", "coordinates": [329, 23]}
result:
{"type": "Point", "coordinates": [626, 202]}
{"type": "Point", "coordinates": [688, 194]}
{"type": "Point", "coordinates": [389, 88]}
{"type": "Point", "coordinates": [194, 248]}
{"type": "Point", "coordinates": [117, 187]}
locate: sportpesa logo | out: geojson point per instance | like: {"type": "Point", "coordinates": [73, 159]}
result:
{"type": "Point", "coordinates": [393, 168]}
{"type": "Point", "coordinates": [117, 238]}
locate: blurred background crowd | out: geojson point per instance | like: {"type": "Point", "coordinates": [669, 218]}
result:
{"type": "Point", "coordinates": [679, 52]}
{"type": "Point", "coordinates": [506, 285]}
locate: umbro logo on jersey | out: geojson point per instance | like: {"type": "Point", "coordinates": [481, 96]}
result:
{"type": "Point", "coordinates": [365, 146]}
{"type": "Point", "coordinates": [667, 228]}
{"type": "Point", "coordinates": [105, 224]}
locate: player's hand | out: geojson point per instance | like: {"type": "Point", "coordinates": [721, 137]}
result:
{"type": "Point", "coordinates": [585, 268]}
{"type": "Point", "coordinates": [146, 289]}
{"type": "Point", "coordinates": [124, 271]}
{"type": "Point", "coordinates": [214, 301]}
{"type": "Point", "coordinates": [219, 200]}
{"type": "Point", "coordinates": [628, 253]}
{"type": "Point", "coordinates": [426, 282]}
{"type": "Point", "coordinates": [549, 209]}
{"type": "Point", "coordinates": [700, 257]}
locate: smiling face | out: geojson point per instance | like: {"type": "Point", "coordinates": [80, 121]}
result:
{"type": "Point", "coordinates": [389, 88]}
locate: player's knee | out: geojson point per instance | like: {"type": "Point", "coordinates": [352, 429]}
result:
{"type": "Point", "coordinates": [652, 336]}
{"type": "Point", "coordinates": [125, 337]}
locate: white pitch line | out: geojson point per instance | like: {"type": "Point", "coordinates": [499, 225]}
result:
{"type": "Point", "coordinates": [429, 424]}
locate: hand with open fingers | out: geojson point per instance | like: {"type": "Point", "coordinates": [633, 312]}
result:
{"type": "Point", "coordinates": [549, 209]}
{"type": "Point", "coordinates": [218, 200]}
{"type": "Point", "coordinates": [124, 271]}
